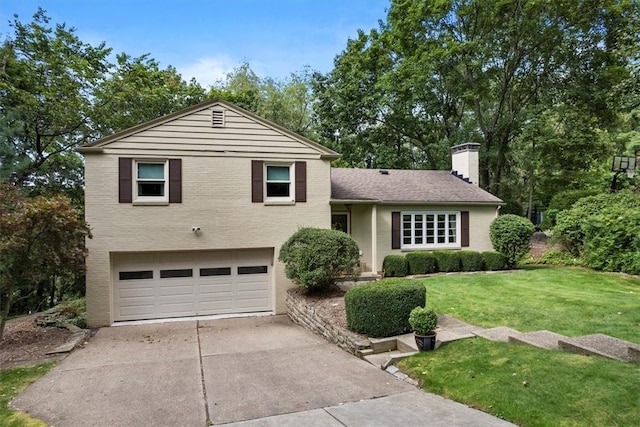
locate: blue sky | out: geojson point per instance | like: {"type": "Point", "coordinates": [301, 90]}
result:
{"type": "Point", "coordinates": [206, 39]}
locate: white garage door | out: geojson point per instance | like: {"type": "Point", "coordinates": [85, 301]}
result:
{"type": "Point", "coordinates": [176, 284]}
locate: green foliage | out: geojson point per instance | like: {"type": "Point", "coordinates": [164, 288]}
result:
{"type": "Point", "coordinates": [556, 257]}
{"type": "Point", "coordinates": [448, 261]}
{"type": "Point", "coordinates": [494, 261]}
{"type": "Point", "coordinates": [423, 320]}
{"type": "Point", "coordinates": [471, 261]}
{"type": "Point", "coordinates": [422, 262]}
{"type": "Point", "coordinates": [562, 200]}
{"type": "Point", "coordinates": [612, 239]}
{"type": "Point", "coordinates": [73, 311]}
{"type": "Point", "coordinates": [314, 258]}
{"type": "Point", "coordinates": [511, 234]}
{"type": "Point", "coordinates": [40, 238]}
{"type": "Point", "coordinates": [603, 231]}
{"type": "Point", "coordinates": [395, 266]}
{"type": "Point", "coordinates": [381, 309]}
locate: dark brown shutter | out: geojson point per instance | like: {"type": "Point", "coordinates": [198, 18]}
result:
{"type": "Point", "coordinates": [175, 180]}
{"type": "Point", "coordinates": [125, 186]}
{"type": "Point", "coordinates": [256, 181]}
{"type": "Point", "coordinates": [464, 229]}
{"type": "Point", "coordinates": [301, 181]}
{"type": "Point", "coordinates": [395, 230]}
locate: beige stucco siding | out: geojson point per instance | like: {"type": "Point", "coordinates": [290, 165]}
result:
{"type": "Point", "coordinates": [480, 217]}
{"type": "Point", "coordinates": [216, 197]}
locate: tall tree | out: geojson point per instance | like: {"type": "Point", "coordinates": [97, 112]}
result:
{"type": "Point", "coordinates": [440, 73]}
{"type": "Point", "coordinates": [39, 238]}
{"type": "Point", "coordinates": [137, 90]}
{"type": "Point", "coordinates": [47, 79]}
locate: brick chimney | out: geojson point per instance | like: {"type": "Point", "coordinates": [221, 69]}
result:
{"type": "Point", "coordinates": [464, 161]}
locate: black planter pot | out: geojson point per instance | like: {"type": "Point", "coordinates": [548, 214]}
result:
{"type": "Point", "coordinates": [425, 342]}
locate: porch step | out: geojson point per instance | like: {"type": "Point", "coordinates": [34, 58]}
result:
{"type": "Point", "coordinates": [601, 345]}
{"type": "Point", "coordinates": [384, 360]}
{"type": "Point", "coordinates": [501, 333]}
{"type": "Point", "coordinates": [542, 339]}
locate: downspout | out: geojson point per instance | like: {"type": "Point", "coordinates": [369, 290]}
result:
{"type": "Point", "coordinates": [498, 211]}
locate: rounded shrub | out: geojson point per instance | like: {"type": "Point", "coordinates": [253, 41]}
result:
{"type": "Point", "coordinates": [471, 261]}
{"type": "Point", "coordinates": [314, 258]}
{"type": "Point", "coordinates": [382, 308]}
{"type": "Point", "coordinates": [395, 266]}
{"type": "Point", "coordinates": [511, 235]}
{"type": "Point", "coordinates": [421, 262]}
{"type": "Point", "coordinates": [423, 320]}
{"type": "Point", "coordinates": [494, 261]}
{"type": "Point", "coordinates": [448, 261]}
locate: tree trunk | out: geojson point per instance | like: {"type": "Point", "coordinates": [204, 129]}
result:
{"type": "Point", "coordinates": [5, 311]}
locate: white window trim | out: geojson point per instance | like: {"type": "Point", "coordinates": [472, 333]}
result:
{"type": "Point", "coordinates": [291, 199]}
{"type": "Point", "coordinates": [435, 245]}
{"type": "Point", "coordinates": [150, 200]}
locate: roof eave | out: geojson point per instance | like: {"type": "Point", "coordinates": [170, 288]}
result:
{"type": "Point", "coordinates": [414, 202]}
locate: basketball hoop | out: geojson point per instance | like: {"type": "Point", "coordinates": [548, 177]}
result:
{"type": "Point", "coordinates": [622, 164]}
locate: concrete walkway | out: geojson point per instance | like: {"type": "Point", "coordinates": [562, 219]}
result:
{"type": "Point", "coordinates": [258, 371]}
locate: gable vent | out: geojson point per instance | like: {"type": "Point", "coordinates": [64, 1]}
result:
{"type": "Point", "coordinates": [217, 118]}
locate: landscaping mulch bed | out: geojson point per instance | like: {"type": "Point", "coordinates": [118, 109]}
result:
{"type": "Point", "coordinates": [26, 343]}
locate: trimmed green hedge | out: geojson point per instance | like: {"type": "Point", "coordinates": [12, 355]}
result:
{"type": "Point", "coordinates": [426, 262]}
{"type": "Point", "coordinates": [382, 308]}
{"type": "Point", "coordinates": [422, 262]}
{"type": "Point", "coordinates": [395, 266]}
{"type": "Point", "coordinates": [471, 261]}
{"type": "Point", "coordinates": [448, 261]}
{"type": "Point", "coordinates": [494, 261]}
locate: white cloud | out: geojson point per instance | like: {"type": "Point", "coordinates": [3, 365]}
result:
{"type": "Point", "coordinates": [208, 70]}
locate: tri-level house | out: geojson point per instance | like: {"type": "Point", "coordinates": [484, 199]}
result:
{"type": "Point", "coordinates": [188, 212]}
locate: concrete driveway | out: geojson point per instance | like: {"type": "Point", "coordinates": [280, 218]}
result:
{"type": "Point", "coordinates": [196, 373]}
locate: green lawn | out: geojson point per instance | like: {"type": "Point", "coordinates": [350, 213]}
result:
{"type": "Point", "coordinates": [523, 384]}
{"type": "Point", "coordinates": [569, 301]}
{"type": "Point", "coordinates": [12, 382]}
{"type": "Point", "coordinates": [562, 389]}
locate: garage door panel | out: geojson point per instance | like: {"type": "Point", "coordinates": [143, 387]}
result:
{"type": "Point", "coordinates": [134, 311]}
{"type": "Point", "coordinates": [216, 306]}
{"type": "Point", "coordinates": [177, 290]}
{"type": "Point", "coordinates": [191, 283]}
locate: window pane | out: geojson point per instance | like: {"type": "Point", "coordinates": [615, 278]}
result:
{"type": "Point", "coordinates": [418, 231]}
{"type": "Point", "coordinates": [340, 222]}
{"type": "Point", "coordinates": [280, 189]}
{"type": "Point", "coordinates": [277, 173]}
{"type": "Point", "coordinates": [167, 274]}
{"type": "Point", "coordinates": [259, 269]}
{"type": "Point", "coordinates": [150, 171]}
{"type": "Point", "coordinates": [220, 271]}
{"type": "Point", "coordinates": [136, 275]}
{"type": "Point", "coordinates": [452, 229]}
{"type": "Point", "coordinates": [151, 189]}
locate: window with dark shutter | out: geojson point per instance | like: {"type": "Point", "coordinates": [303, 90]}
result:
{"type": "Point", "coordinates": [175, 181]}
{"type": "Point", "coordinates": [395, 230]}
{"type": "Point", "coordinates": [256, 181]}
{"type": "Point", "coordinates": [301, 181]}
{"type": "Point", "coordinates": [464, 229]}
{"type": "Point", "coordinates": [125, 186]}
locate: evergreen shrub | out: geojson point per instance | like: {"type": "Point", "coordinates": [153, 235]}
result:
{"type": "Point", "coordinates": [395, 266]}
{"type": "Point", "coordinates": [382, 308]}
{"type": "Point", "coordinates": [494, 261]}
{"type": "Point", "coordinates": [422, 262]}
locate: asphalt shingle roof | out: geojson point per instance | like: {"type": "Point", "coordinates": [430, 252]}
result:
{"type": "Point", "coordinates": [405, 186]}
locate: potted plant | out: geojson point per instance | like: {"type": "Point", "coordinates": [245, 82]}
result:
{"type": "Point", "coordinates": [424, 322]}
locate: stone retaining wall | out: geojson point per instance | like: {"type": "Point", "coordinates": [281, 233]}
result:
{"type": "Point", "coordinates": [304, 314]}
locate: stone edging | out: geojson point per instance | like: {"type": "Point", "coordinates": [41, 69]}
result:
{"type": "Point", "coordinates": [306, 315]}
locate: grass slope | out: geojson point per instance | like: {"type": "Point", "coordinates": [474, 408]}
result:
{"type": "Point", "coordinates": [530, 386]}
{"type": "Point", "coordinates": [568, 301]}
{"type": "Point", "coordinates": [12, 382]}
